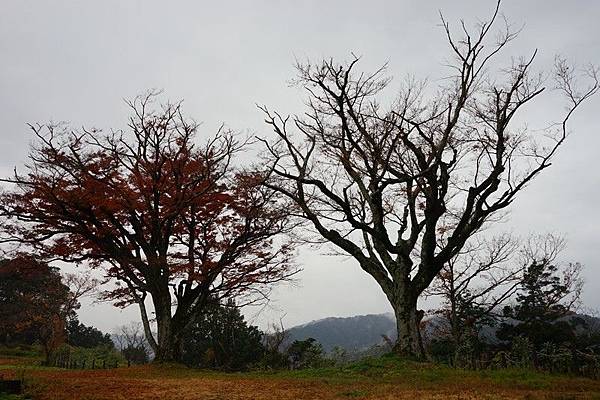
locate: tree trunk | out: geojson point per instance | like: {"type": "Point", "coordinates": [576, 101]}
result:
{"type": "Point", "coordinates": [168, 349]}
{"type": "Point", "coordinates": [168, 342]}
{"type": "Point", "coordinates": [164, 349]}
{"type": "Point", "coordinates": [408, 319]}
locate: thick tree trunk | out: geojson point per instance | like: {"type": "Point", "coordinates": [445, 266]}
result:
{"type": "Point", "coordinates": [171, 328]}
{"type": "Point", "coordinates": [168, 344]}
{"type": "Point", "coordinates": [168, 350]}
{"type": "Point", "coordinates": [408, 319]}
{"type": "Point", "coordinates": [165, 347]}
{"type": "Point", "coordinates": [168, 347]}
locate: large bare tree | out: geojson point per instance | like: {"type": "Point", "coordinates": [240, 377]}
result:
{"type": "Point", "coordinates": [402, 187]}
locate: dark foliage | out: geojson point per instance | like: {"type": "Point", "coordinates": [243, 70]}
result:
{"type": "Point", "coordinates": [34, 303]}
{"type": "Point", "coordinates": [545, 297]}
{"type": "Point", "coordinates": [222, 339]}
{"type": "Point", "coordinates": [30, 293]}
{"type": "Point", "coordinates": [80, 335]}
{"type": "Point", "coordinates": [305, 354]}
{"type": "Point", "coordinates": [136, 354]}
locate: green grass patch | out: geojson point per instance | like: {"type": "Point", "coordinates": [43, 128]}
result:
{"type": "Point", "coordinates": [424, 375]}
{"type": "Point", "coordinates": [11, 397]}
{"type": "Point", "coordinates": [21, 351]}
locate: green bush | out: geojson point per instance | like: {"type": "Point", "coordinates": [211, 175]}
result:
{"type": "Point", "coordinates": [442, 350]}
{"type": "Point", "coordinates": [79, 357]}
{"type": "Point", "coordinates": [21, 350]}
{"type": "Point", "coordinates": [307, 354]}
{"type": "Point", "coordinates": [222, 339]}
{"type": "Point", "coordinates": [521, 352]}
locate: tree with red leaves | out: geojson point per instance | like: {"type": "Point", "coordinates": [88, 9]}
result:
{"type": "Point", "coordinates": [167, 218]}
{"type": "Point", "coordinates": [34, 303]}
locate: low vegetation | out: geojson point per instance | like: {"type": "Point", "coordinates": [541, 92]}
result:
{"type": "Point", "coordinates": [385, 377]}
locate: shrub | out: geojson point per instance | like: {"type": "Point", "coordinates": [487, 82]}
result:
{"type": "Point", "coordinates": [136, 354]}
{"type": "Point", "coordinates": [521, 352]}
{"type": "Point", "coordinates": [306, 354]}
{"type": "Point", "coordinates": [80, 357]}
{"type": "Point", "coordinates": [222, 339]}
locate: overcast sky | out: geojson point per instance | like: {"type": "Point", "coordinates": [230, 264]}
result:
{"type": "Point", "coordinates": [75, 61]}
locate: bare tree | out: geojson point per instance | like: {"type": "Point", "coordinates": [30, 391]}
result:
{"type": "Point", "coordinates": [80, 286]}
{"type": "Point", "coordinates": [131, 342]}
{"type": "Point", "coordinates": [475, 282]}
{"type": "Point", "coordinates": [487, 273]}
{"type": "Point", "coordinates": [131, 335]}
{"type": "Point", "coordinates": [401, 188]}
{"type": "Point", "coordinates": [275, 339]}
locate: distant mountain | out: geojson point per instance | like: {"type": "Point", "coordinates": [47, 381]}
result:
{"type": "Point", "coordinates": [359, 333]}
{"type": "Point", "coordinates": [352, 333]}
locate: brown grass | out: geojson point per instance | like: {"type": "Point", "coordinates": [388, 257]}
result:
{"type": "Point", "coordinates": [178, 383]}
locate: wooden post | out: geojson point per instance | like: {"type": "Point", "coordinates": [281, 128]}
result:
{"type": "Point", "coordinates": [93, 363]}
{"type": "Point", "coordinates": [104, 364]}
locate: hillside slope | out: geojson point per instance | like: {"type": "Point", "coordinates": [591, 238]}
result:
{"type": "Point", "coordinates": [364, 331]}
{"type": "Point", "coordinates": [351, 333]}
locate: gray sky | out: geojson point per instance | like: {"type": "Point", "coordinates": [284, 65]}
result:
{"type": "Point", "coordinates": [75, 61]}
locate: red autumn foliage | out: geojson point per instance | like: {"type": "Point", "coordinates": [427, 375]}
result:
{"type": "Point", "coordinates": [162, 214]}
{"type": "Point", "coordinates": [34, 303]}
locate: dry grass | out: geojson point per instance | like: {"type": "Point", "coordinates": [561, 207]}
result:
{"type": "Point", "coordinates": [379, 380]}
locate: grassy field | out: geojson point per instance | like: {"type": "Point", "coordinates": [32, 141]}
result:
{"type": "Point", "coordinates": [386, 378]}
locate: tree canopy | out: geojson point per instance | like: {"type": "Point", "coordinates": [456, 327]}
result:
{"type": "Point", "coordinates": [163, 214]}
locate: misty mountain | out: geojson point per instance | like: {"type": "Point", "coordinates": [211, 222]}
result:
{"type": "Point", "coordinates": [351, 333]}
{"type": "Point", "coordinates": [361, 332]}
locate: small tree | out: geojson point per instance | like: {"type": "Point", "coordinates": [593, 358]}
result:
{"type": "Point", "coordinates": [35, 303]}
{"type": "Point", "coordinates": [165, 216]}
{"type": "Point", "coordinates": [222, 339]}
{"type": "Point", "coordinates": [475, 283]}
{"type": "Point", "coordinates": [132, 343]}
{"type": "Point", "coordinates": [306, 353]}
{"type": "Point", "coordinates": [548, 291]}
{"type": "Point", "coordinates": [402, 188]}
{"type": "Point", "coordinates": [136, 354]}
{"type": "Point", "coordinates": [274, 342]}
{"type": "Point", "coordinates": [130, 335]}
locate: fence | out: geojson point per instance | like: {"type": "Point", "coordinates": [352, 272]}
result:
{"type": "Point", "coordinates": [84, 363]}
